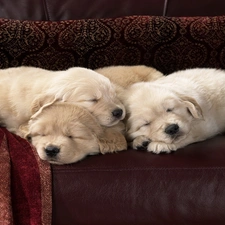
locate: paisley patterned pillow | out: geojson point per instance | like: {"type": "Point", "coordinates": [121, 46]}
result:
{"type": "Point", "coordinates": [166, 43]}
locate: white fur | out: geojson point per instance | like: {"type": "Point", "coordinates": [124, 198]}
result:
{"type": "Point", "coordinates": [23, 87]}
{"type": "Point", "coordinates": [194, 99]}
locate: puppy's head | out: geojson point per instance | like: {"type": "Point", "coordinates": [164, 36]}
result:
{"type": "Point", "coordinates": [91, 90]}
{"type": "Point", "coordinates": [65, 133]}
{"type": "Point", "coordinates": [160, 114]}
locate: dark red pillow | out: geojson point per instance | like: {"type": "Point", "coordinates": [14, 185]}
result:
{"type": "Point", "coordinates": [166, 43]}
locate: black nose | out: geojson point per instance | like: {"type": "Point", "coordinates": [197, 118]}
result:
{"type": "Point", "coordinates": [52, 151]}
{"type": "Point", "coordinates": [172, 129]}
{"type": "Point", "coordinates": [117, 113]}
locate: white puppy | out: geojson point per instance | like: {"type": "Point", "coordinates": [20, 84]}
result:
{"type": "Point", "coordinates": [22, 88]}
{"type": "Point", "coordinates": [174, 111]}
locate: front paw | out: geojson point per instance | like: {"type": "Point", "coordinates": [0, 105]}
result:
{"type": "Point", "coordinates": [141, 143]}
{"type": "Point", "coordinates": [159, 147]}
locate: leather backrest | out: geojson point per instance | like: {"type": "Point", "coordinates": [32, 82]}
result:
{"type": "Point", "coordinates": [55, 10]}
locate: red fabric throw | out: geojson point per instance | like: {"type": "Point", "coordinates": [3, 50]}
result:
{"type": "Point", "coordinates": [25, 183]}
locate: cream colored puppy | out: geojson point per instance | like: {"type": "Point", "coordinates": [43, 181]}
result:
{"type": "Point", "coordinates": [66, 133]}
{"type": "Point", "coordinates": [22, 87]}
{"type": "Point", "coordinates": [124, 76]}
{"type": "Point", "coordinates": [177, 110]}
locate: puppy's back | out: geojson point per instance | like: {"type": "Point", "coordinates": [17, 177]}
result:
{"type": "Point", "coordinates": [205, 81]}
{"type": "Point", "coordinates": [18, 87]}
{"type": "Point", "coordinates": [125, 76]}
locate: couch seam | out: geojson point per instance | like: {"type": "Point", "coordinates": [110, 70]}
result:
{"type": "Point", "coordinates": [165, 7]}
{"type": "Point", "coordinates": [46, 10]}
{"type": "Point", "coordinates": [139, 169]}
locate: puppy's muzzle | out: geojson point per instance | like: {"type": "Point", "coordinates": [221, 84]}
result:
{"type": "Point", "coordinates": [172, 129]}
{"type": "Point", "coordinates": [52, 151]}
{"type": "Point", "coordinates": [117, 113]}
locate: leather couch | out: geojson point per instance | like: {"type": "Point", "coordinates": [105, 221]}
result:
{"type": "Point", "coordinates": [68, 9]}
{"type": "Point", "coordinates": [186, 187]}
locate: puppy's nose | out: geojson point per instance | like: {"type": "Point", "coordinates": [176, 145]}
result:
{"type": "Point", "coordinates": [172, 129]}
{"type": "Point", "coordinates": [117, 113]}
{"type": "Point", "coordinates": [52, 151]}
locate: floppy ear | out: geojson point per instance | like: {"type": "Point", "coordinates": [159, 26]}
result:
{"type": "Point", "coordinates": [193, 107]}
{"type": "Point", "coordinates": [42, 100]}
{"type": "Point", "coordinates": [112, 141]}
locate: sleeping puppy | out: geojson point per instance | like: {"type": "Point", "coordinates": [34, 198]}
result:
{"type": "Point", "coordinates": [21, 89]}
{"type": "Point", "coordinates": [124, 76]}
{"type": "Point", "coordinates": [177, 110]}
{"type": "Point", "coordinates": [65, 133]}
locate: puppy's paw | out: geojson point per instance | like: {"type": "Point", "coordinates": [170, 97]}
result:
{"type": "Point", "coordinates": [112, 141]}
{"type": "Point", "coordinates": [140, 143]}
{"type": "Point", "coordinates": [159, 147]}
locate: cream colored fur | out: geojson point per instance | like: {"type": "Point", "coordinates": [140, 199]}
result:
{"type": "Point", "coordinates": [22, 88]}
{"type": "Point", "coordinates": [125, 76]}
{"type": "Point", "coordinates": [73, 131]}
{"type": "Point", "coordinates": [193, 100]}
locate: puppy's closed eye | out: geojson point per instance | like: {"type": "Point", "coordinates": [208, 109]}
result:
{"type": "Point", "coordinates": [93, 100]}
{"type": "Point", "coordinates": [169, 104]}
{"type": "Point", "coordinates": [169, 109]}
{"type": "Point", "coordinates": [145, 124]}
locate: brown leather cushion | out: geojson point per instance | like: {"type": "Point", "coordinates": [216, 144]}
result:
{"type": "Point", "coordinates": [136, 187]}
